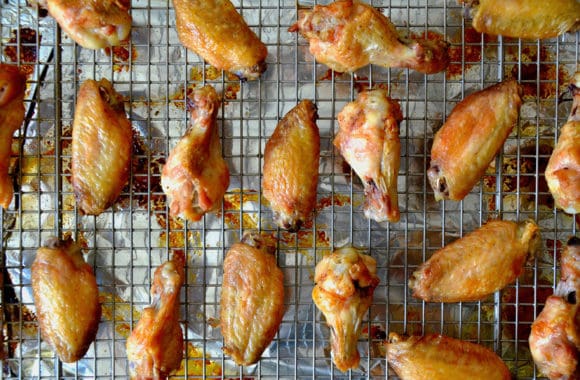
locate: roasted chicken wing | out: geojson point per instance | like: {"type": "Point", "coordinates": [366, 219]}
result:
{"type": "Point", "coordinates": [555, 336]}
{"type": "Point", "coordinates": [196, 177]}
{"type": "Point", "coordinates": [12, 88]}
{"type": "Point", "coordinates": [155, 347]}
{"type": "Point", "coordinates": [347, 35]}
{"type": "Point", "coordinates": [345, 283]}
{"type": "Point", "coordinates": [477, 265]}
{"type": "Point", "coordinates": [291, 162]}
{"type": "Point", "coordinates": [102, 140]}
{"type": "Point", "coordinates": [563, 170]}
{"type": "Point", "coordinates": [438, 357]}
{"type": "Point", "coordinates": [471, 137]}
{"type": "Point", "coordinates": [368, 139]}
{"type": "Point", "coordinates": [218, 33]}
{"type": "Point", "coordinates": [66, 298]}
{"type": "Point", "coordinates": [252, 299]}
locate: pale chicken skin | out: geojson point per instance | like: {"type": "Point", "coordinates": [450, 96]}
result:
{"type": "Point", "coordinates": [345, 283]}
{"type": "Point", "coordinates": [12, 89]}
{"type": "Point", "coordinates": [196, 177]}
{"type": "Point", "coordinates": [347, 35]}
{"type": "Point", "coordinates": [471, 137]}
{"type": "Point", "coordinates": [219, 34]}
{"type": "Point", "coordinates": [66, 297]}
{"type": "Point", "coordinates": [368, 139]}
{"type": "Point", "coordinates": [439, 357]}
{"type": "Point", "coordinates": [555, 335]}
{"type": "Point", "coordinates": [252, 299]}
{"type": "Point", "coordinates": [102, 139]}
{"type": "Point", "coordinates": [155, 347]}
{"type": "Point", "coordinates": [563, 169]}
{"type": "Point", "coordinates": [477, 265]}
{"type": "Point", "coordinates": [291, 159]}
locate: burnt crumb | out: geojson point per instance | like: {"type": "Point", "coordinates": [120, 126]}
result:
{"type": "Point", "coordinates": [573, 242]}
{"type": "Point", "coordinates": [571, 298]}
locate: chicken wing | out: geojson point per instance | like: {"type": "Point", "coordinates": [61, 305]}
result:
{"type": "Point", "coordinates": [196, 177]}
{"type": "Point", "coordinates": [368, 139]}
{"type": "Point", "coordinates": [347, 35]}
{"type": "Point", "coordinates": [155, 347]}
{"type": "Point", "coordinates": [526, 18]}
{"type": "Point", "coordinates": [555, 336]}
{"type": "Point", "coordinates": [471, 137]}
{"type": "Point", "coordinates": [438, 357]}
{"type": "Point", "coordinates": [12, 88]}
{"type": "Point", "coordinates": [477, 265]}
{"type": "Point", "coordinates": [252, 299]}
{"type": "Point", "coordinates": [218, 33]}
{"type": "Point", "coordinates": [563, 170]}
{"type": "Point", "coordinates": [291, 162]}
{"type": "Point", "coordinates": [345, 283]}
{"type": "Point", "coordinates": [102, 140]}
{"type": "Point", "coordinates": [66, 297]}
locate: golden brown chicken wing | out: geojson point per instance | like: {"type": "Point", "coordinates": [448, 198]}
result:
{"type": "Point", "coordinates": [438, 357]}
{"type": "Point", "coordinates": [196, 177]}
{"type": "Point", "coordinates": [345, 283]}
{"type": "Point", "coordinates": [291, 162]}
{"type": "Point", "coordinates": [563, 170]}
{"type": "Point", "coordinates": [526, 18]}
{"type": "Point", "coordinates": [102, 140]}
{"type": "Point", "coordinates": [480, 263]}
{"type": "Point", "coordinates": [66, 298]}
{"type": "Point", "coordinates": [555, 336]}
{"type": "Point", "coordinates": [347, 35]}
{"type": "Point", "coordinates": [12, 88]}
{"type": "Point", "coordinates": [368, 139]}
{"type": "Point", "coordinates": [252, 299]}
{"type": "Point", "coordinates": [471, 137]}
{"type": "Point", "coordinates": [155, 347]}
{"type": "Point", "coordinates": [218, 33]}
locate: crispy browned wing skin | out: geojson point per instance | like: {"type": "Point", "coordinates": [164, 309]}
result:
{"type": "Point", "coordinates": [12, 88]}
{"type": "Point", "coordinates": [101, 146]}
{"type": "Point", "coordinates": [291, 162]}
{"type": "Point", "coordinates": [477, 265]}
{"type": "Point", "coordinates": [471, 137]}
{"type": "Point", "coordinates": [345, 283]}
{"type": "Point", "coordinates": [368, 139]}
{"type": "Point", "coordinates": [66, 299]}
{"type": "Point", "coordinates": [252, 299]}
{"type": "Point", "coordinates": [218, 33]}
{"type": "Point", "coordinates": [196, 177]}
{"type": "Point", "coordinates": [347, 35]}
{"type": "Point", "coordinates": [155, 347]}
{"type": "Point", "coordinates": [438, 357]}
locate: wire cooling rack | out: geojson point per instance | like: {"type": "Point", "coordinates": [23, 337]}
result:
{"type": "Point", "coordinates": [127, 242]}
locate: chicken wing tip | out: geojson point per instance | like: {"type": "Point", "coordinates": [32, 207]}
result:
{"type": "Point", "coordinates": [258, 241]}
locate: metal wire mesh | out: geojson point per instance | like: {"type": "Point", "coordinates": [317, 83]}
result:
{"type": "Point", "coordinates": [126, 243]}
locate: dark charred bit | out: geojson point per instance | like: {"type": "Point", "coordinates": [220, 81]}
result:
{"type": "Point", "coordinates": [571, 298]}
{"type": "Point", "coordinates": [573, 242]}
{"type": "Point", "coordinates": [292, 226]}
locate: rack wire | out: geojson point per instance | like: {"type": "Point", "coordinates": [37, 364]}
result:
{"type": "Point", "coordinates": [126, 243]}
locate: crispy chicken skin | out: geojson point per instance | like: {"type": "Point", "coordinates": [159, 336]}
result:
{"type": "Point", "coordinates": [345, 283]}
{"type": "Point", "coordinates": [555, 336]}
{"type": "Point", "coordinates": [563, 170]}
{"type": "Point", "coordinates": [12, 88]}
{"type": "Point", "coordinates": [291, 162]}
{"type": "Point", "coordinates": [252, 299]}
{"type": "Point", "coordinates": [155, 347]}
{"type": "Point", "coordinates": [526, 18]}
{"type": "Point", "coordinates": [102, 140]}
{"type": "Point", "coordinates": [347, 35]}
{"type": "Point", "coordinates": [368, 139]}
{"type": "Point", "coordinates": [218, 33]}
{"type": "Point", "coordinates": [66, 298]}
{"type": "Point", "coordinates": [471, 137]}
{"type": "Point", "coordinates": [438, 357]}
{"type": "Point", "coordinates": [196, 177]}
{"type": "Point", "coordinates": [477, 265]}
